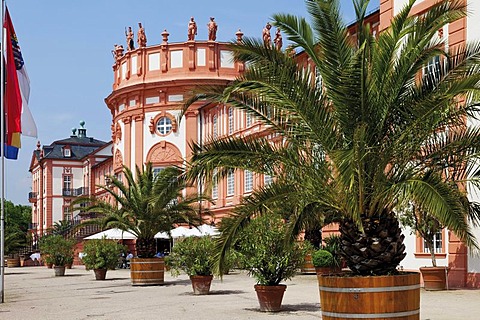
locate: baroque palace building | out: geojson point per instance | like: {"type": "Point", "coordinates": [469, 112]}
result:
{"type": "Point", "coordinates": [149, 86]}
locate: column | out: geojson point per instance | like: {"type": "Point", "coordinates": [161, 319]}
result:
{"type": "Point", "coordinates": [139, 140]}
{"type": "Point", "coordinates": [127, 153]}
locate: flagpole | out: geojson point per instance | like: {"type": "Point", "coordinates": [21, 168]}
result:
{"type": "Point", "coordinates": [2, 153]}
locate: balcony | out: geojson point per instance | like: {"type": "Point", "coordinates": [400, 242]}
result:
{"type": "Point", "coordinates": [32, 226]}
{"type": "Point", "coordinates": [82, 191]}
{"type": "Point", "coordinates": [32, 197]}
{"type": "Point", "coordinates": [67, 192]}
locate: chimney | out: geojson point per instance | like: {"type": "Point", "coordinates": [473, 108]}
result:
{"type": "Point", "coordinates": [82, 132]}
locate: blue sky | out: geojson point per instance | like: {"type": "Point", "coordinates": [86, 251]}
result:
{"type": "Point", "coordinates": [67, 47]}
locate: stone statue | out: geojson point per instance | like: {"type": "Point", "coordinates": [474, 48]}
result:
{"type": "Point", "coordinates": [239, 35]}
{"type": "Point", "coordinates": [267, 38]}
{"type": "Point", "coordinates": [278, 40]}
{"type": "Point", "coordinates": [141, 37]}
{"type": "Point", "coordinates": [129, 35]}
{"type": "Point", "coordinates": [290, 51]}
{"type": "Point", "coordinates": [192, 29]}
{"type": "Point", "coordinates": [117, 52]}
{"type": "Point", "coordinates": [212, 29]}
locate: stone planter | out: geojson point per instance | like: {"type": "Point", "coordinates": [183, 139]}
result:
{"type": "Point", "coordinates": [374, 297]}
{"type": "Point", "coordinates": [201, 284]}
{"type": "Point", "coordinates": [59, 271]}
{"type": "Point", "coordinates": [100, 274]}
{"type": "Point", "coordinates": [434, 278]}
{"type": "Point", "coordinates": [270, 297]}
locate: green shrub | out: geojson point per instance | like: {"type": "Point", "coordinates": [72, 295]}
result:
{"type": "Point", "coordinates": [101, 254]}
{"type": "Point", "coordinates": [332, 245]}
{"type": "Point", "coordinates": [56, 249]}
{"type": "Point", "coordinates": [193, 255]}
{"type": "Point", "coordinates": [265, 253]}
{"type": "Point", "coordinates": [323, 259]}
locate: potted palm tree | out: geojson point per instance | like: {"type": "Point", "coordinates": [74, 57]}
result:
{"type": "Point", "coordinates": [195, 257]}
{"type": "Point", "coordinates": [57, 251]}
{"type": "Point", "coordinates": [101, 255]}
{"type": "Point", "coordinates": [146, 204]}
{"type": "Point", "coordinates": [364, 130]}
{"type": "Point", "coordinates": [268, 258]}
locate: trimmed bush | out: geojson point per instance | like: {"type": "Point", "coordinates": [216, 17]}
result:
{"type": "Point", "coordinates": [323, 259]}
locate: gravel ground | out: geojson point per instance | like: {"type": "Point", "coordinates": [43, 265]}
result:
{"type": "Point", "coordinates": [35, 293]}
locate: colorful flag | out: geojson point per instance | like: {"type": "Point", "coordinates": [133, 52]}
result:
{"type": "Point", "coordinates": [17, 91]}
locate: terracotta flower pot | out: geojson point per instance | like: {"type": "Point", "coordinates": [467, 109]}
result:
{"type": "Point", "coordinates": [270, 297]}
{"type": "Point", "coordinates": [59, 271]}
{"type": "Point", "coordinates": [201, 284]}
{"type": "Point", "coordinates": [434, 278]}
{"type": "Point", "coordinates": [100, 274]}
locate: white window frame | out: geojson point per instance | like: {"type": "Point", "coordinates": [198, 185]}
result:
{"type": "Point", "coordinates": [230, 183]}
{"type": "Point", "coordinates": [215, 185]}
{"type": "Point", "coordinates": [156, 171]}
{"type": "Point", "coordinates": [248, 119]}
{"type": "Point", "coordinates": [67, 182]}
{"type": "Point", "coordinates": [437, 243]}
{"type": "Point", "coordinates": [215, 126]}
{"type": "Point", "coordinates": [267, 179]}
{"type": "Point", "coordinates": [433, 66]}
{"type": "Point", "coordinates": [248, 181]}
{"type": "Point", "coordinates": [165, 127]}
{"type": "Point", "coordinates": [231, 122]}
{"type": "Point", "coordinates": [67, 152]}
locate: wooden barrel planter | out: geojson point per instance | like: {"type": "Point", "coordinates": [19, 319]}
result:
{"type": "Point", "coordinates": [147, 271]}
{"type": "Point", "coordinates": [13, 262]}
{"type": "Point", "coordinates": [308, 267]}
{"type": "Point", "coordinates": [394, 297]}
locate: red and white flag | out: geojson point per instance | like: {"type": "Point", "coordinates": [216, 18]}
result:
{"type": "Point", "coordinates": [19, 119]}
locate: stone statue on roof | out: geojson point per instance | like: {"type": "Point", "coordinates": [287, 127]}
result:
{"type": "Point", "coordinates": [278, 40]}
{"type": "Point", "coordinates": [192, 29]}
{"type": "Point", "coordinates": [141, 37]}
{"type": "Point", "coordinates": [129, 36]}
{"type": "Point", "coordinates": [212, 29]}
{"type": "Point", "coordinates": [267, 37]}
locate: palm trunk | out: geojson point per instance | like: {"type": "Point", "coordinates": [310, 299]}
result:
{"type": "Point", "coordinates": [378, 250]}
{"type": "Point", "coordinates": [145, 247]}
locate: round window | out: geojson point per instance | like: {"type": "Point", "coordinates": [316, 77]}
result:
{"type": "Point", "coordinates": [164, 125]}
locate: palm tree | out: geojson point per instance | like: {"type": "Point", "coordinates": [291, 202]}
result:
{"type": "Point", "coordinates": [365, 128]}
{"type": "Point", "coordinates": [146, 205]}
{"type": "Point", "coordinates": [62, 227]}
